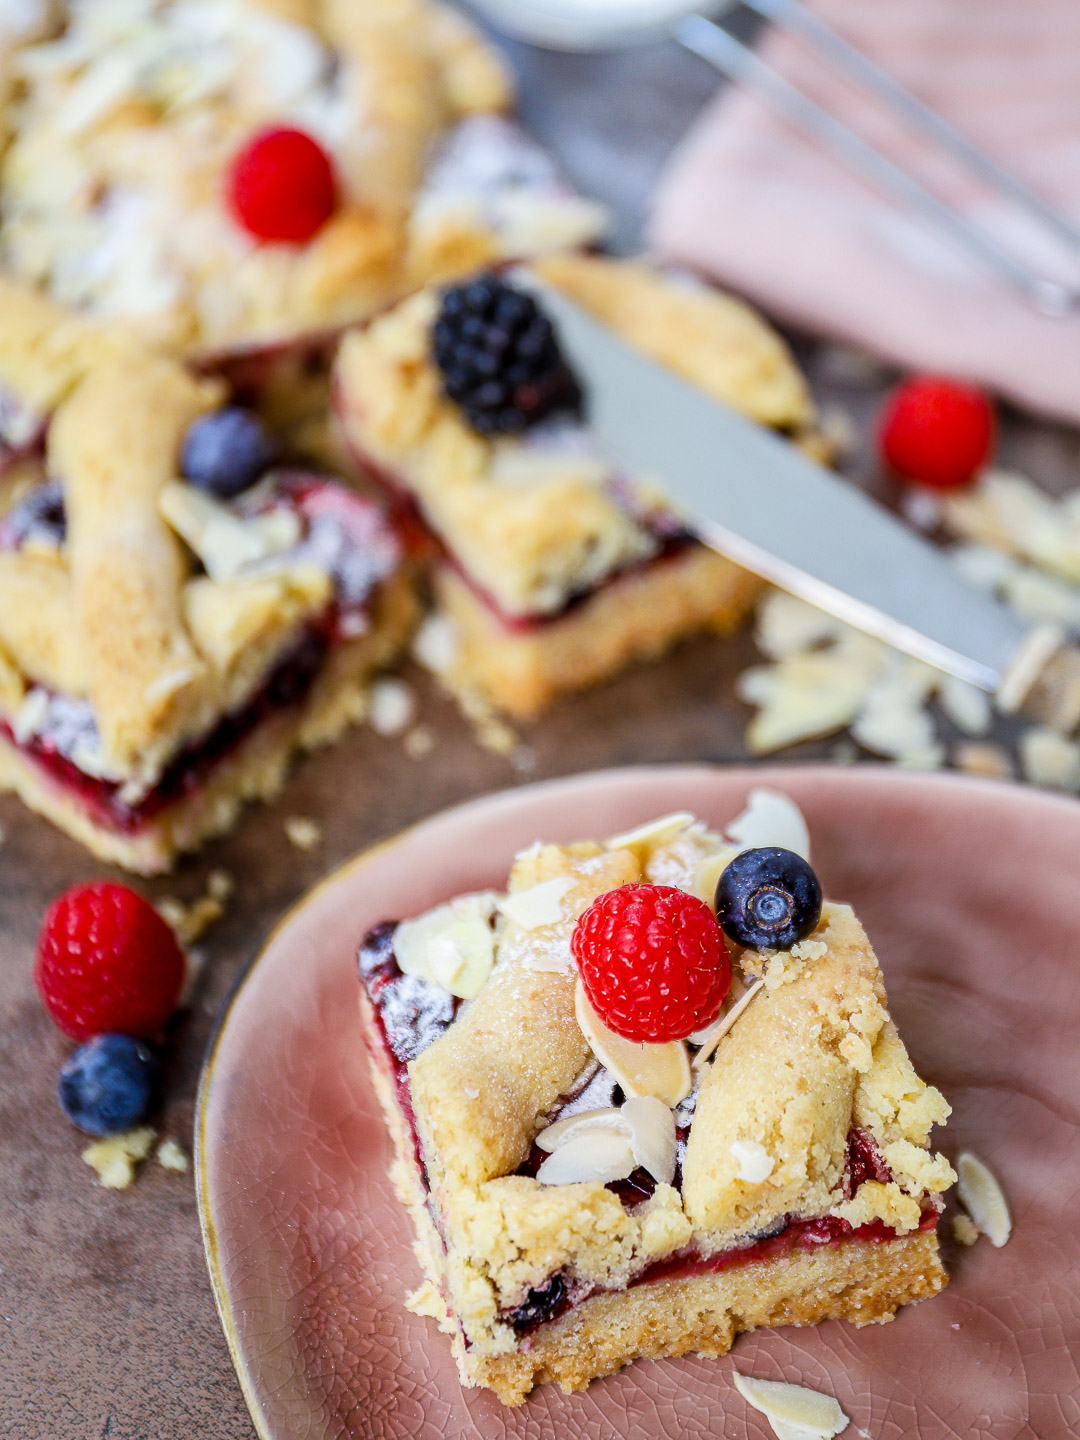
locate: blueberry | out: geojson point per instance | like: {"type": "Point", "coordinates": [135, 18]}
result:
{"type": "Point", "coordinates": [768, 899]}
{"type": "Point", "coordinates": [226, 451]}
{"type": "Point", "coordinates": [108, 1084]}
{"type": "Point", "coordinates": [540, 1306]}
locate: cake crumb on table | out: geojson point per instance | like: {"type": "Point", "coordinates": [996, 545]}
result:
{"type": "Point", "coordinates": [419, 743]}
{"type": "Point", "coordinates": [392, 706]}
{"type": "Point", "coordinates": [172, 1156]}
{"type": "Point", "coordinates": [964, 1229]}
{"type": "Point", "coordinates": [991, 761]}
{"type": "Point", "coordinates": [303, 832]}
{"type": "Point", "coordinates": [115, 1158]}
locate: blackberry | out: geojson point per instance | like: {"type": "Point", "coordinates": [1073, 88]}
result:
{"type": "Point", "coordinates": [500, 358]}
{"type": "Point", "coordinates": [540, 1306]}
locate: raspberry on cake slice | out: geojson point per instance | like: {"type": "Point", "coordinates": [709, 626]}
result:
{"type": "Point", "coordinates": [552, 570]}
{"type": "Point", "coordinates": [167, 643]}
{"type": "Point", "coordinates": [625, 1128]}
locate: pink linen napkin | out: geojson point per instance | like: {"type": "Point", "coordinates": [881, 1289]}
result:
{"type": "Point", "coordinates": [755, 204]}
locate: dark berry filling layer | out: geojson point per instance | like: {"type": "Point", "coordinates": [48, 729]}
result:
{"type": "Point", "coordinates": [345, 535]}
{"type": "Point", "coordinates": [410, 1014]}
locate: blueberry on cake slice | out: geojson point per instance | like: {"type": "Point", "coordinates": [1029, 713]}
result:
{"type": "Point", "coordinates": [229, 175]}
{"type": "Point", "coordinates": [552, 570]}
{"type": "Point", "coordinates": [166, 643]}
{"type": "Point", "coordinates": [649, 1097]}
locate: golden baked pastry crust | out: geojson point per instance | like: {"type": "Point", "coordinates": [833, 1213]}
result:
{"type": "Point", "coordinates": [812, 1058]}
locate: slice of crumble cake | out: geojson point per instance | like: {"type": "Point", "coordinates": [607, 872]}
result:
{"type": "Point", "coordinates": [648, 1098]}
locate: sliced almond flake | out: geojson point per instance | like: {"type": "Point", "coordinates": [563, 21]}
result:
{"type": "Point", "coordinates": [652, 833]}
{"type": "Point", "coordinates": [966, 705]}
{"type": "Point", "coordinates": [707, 875]}
{"type": "Point", "coordinates": [983, 1198]}
{"type": "Point", "coordinates": [436, 644]}
{"type": "Point", "coordinates": [538, 905]}
{"type": "Point", "coordinates": [659, 1070]}
{"type": "Point", "coordinates": [754, 1161]}
{"type": "Point", "coordinates": [786, 625]}
{"type": "Point", "coordinates": [794, 1407]}
{"type": "Point", "coordinates": [609, 1118]}
{"type": "Point", "coordinates": [652, 1137]}
{"type": "Point", "coordinates": [223, 542]}
{"type": "Point", "coordinates": [602, 1155]}
{"type": "Point", "coordinates": [771, 818]}
{"type": "Point", "coordinates": [717, 1032]}
{"type": "Point", "coordinates": [449, 948]}
{"type": "Point", "coordinates": [1047, 758]}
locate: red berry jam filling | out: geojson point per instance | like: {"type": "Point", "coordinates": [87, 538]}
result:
{"type": "Point", "coordinates": [345, 535]}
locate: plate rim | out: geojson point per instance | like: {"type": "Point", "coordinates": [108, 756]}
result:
{"type": "Point", "coordinates": [1016, 793]}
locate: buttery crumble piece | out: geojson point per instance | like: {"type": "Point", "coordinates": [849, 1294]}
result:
{"type": "Point", "coordinates": [172, 1156]}
{"type": "Point", "coordinates": [303, 832]}
{"type": "Point", "coordinates": [116, 1158]}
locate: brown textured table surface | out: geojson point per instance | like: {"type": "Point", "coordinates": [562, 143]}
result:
{"type": "Point", "coordinates": [107, 1323]}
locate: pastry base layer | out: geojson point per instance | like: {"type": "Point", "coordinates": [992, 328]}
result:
{"type": "Point", "coordinates": [255, 770]}
{"type": "Point", "coordinates": [864, 1281]}
{"type": "Point", "coordinates": [635, 617]}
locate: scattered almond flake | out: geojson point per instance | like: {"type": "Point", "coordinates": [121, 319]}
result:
{"type": "Point", "coordinates": [795, 1407]}
{"type": "Point", "coordinates": [539, 905]}
{"type": "Point", "coordinates": [220, 885]}
{"type": "Point", "coordinates": [837, 426]}
{"type": "Point", "coordinates": [807, 695]}
{"type": "Point", "coordinates": [925, 757]}
{"type": "Point", "coordinates": [471, 1091]}
{"type": "Point", "coordinates": [1008, 512]}
{"type": "Point", "coordinates": [982, 1197]}
{"type": "Point", "coordinates": [391, 706]}
{"type": "Point", "coordinates": [595, 1155]}
{"type": "Point", "coordinates": [550, 961]}
{"type": "Point", "coordinates": [982, 565]}
{"type": "Point", "coordinates": [652, 1136]}
{"type": "Point", "coordinates": [173, 1156]}
{"type": "Point", "coordinates": [786, 625]}
{"type": "Point", "coordinates": [652, 833]}
{"type": "Point", "coordinates": [435, 645]}
{"type": "Point", "coordinates": [116, 1157]}
{"type": "Point", "coordinates": [1035, 596]}
{"type": "Point", "coordinates": [770, 818]}
{"type": "Point", "coordinates": [609, 1118]}
{"type": "Point", "coordinates": [754, 1161]}
{"type": "Point", "coordinates": [1047, 758]}
{"type": "Point", "coordinates": [966, 705]}
{"type": "Point", "coordinates": [169, 684]}
{"type": "Point", "coordinates": [964, 1229]}
{"type": "Point", "coordinates": [717, 1032]}
{"type": "Point", "coordinates": [992, 761]}
{"type": "Point", "coordinates": [452, 946]}
{"type": "Point", "coordinates": [303, 832]}
{"type": "Point", "coordinates": [659, 1070]}
{"type": "Point", "coordinates": [419, 743]}
{"type": "Point", "coordinates": [496, 736]}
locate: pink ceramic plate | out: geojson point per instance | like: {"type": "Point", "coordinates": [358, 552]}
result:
{"type": "Point", "coordinates": [971, 893]}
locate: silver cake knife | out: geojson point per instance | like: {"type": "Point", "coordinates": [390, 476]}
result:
{"type": "Point", "coordinates": [754, 497]}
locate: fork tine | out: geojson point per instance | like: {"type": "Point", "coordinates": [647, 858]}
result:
{"type": "Point", "coordinates": [739, 62]}
{"type": "Point", "coordinates": [796, 17]}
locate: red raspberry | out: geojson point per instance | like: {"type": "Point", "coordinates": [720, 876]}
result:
{"type": "Point", "coordinates": [937, 432]}
{"type": "Point", "coordinates": [282, 186]}
{"type": "Point", "coordinates": [653, 962]}
{"type": "Point", "coordinates": [107, 963]}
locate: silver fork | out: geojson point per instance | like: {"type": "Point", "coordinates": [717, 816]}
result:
{"type": "Point", "coordinates": [590, 24]}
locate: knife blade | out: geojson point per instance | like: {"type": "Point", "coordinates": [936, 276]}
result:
{"type": "Point", "coordinates": [751, 495]}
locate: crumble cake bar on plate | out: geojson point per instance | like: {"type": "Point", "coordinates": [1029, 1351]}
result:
{"type": "Point", "coordinates": [166, 644]}
{"type": "Point", "coordinates": [583, 1197]}
{"type": "Point", "coordinates": [138, 184]}
{"type": "Point", "coordinates": [551, 572]}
